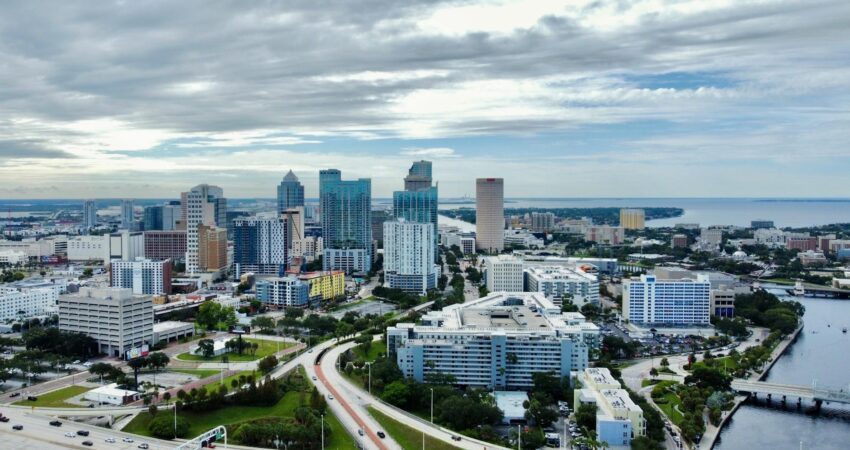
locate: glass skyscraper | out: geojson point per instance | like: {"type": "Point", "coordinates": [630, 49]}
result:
{"type": "Point", "coordinates": [290, 193]}
{"type": "Point", "coordinates": [418, 201]}
{"type": "Point", "coordinates": [346, 208]}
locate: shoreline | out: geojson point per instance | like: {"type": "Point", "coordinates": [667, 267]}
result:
{"type": "Point", "coordinates": [740, 399]}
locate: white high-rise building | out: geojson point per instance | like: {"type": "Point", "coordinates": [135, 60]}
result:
{"type": "Point", "coordinates": [127, 216]}
{"type": "Point", "coordinates": [503, 273]}
{"type": "Point", "coordinates": [89, 214]}
{"type": "Point", "coordinates": [490, 214]}
{"type": "Point", "coordinates": [203, 205]}
{"type": "Point", "coordinates": [557, 281]}
{"type": "Point", "coordinates": [409, 256]}
{"type": "Point", "coordinates": [650, 301]}
{"type": "Point", "coordinates": [143, 276]}
{"type": "Point", "coordinates": [23, 302]}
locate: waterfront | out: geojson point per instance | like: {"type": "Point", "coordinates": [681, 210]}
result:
{"type": "Point", "coordinates": [707, 211]}
{"type": "Point", "coordinates": [819, 354]}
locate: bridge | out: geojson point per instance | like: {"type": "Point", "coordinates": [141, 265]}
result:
{"type": "Point", "coordinates": [814, 393]}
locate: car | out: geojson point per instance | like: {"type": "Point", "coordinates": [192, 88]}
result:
{"type": "Point", "coordinates": [360, 431]}
{"type": "Point", "coordinates": [83, 432]}
{"type": "Point", "coordinates": [18, 427]}
{"type": "Point", "coordinates": [15, 394]}
{"type": "Point", "coordinates": [55, 423]}
{"type": "Point", "coordinates": [144, 445]}
{"type": "Point", "coordinates": [381, 434]}
{"type": "Point", "coordinates": [126, 439]}
{"type": "Point", "coordinates": [88, 364]}
{"type": "Point", "coordinates": [110, 440]}
{"type": "Point", "coordinates": [70, 435]}
{"type": "Point", "coordinates": [32, 398]}
{"type": "Point", "coordinates": [4, 419]}
{"type": "Point", "coordinates": [310, 351]}
{"type": "Point", "coordinates": [88, 443]}
{"type": "Point", "coordinates": [314, 378]}
{"type": "Point", "coordinates": [330, 397]}
{"type": "Point", "coordinates": [76, 361]}
{"type": "Point", "coordinates": [455, 437]}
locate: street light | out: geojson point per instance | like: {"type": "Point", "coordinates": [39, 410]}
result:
{"type": "Point", "coordinates": [370, 376]}
{"type": "Point", "coordinates": [323, 432]}
{"type": "Point", "coordinates": [432, 405]}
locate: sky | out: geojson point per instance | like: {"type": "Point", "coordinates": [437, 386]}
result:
{"type": "Point", "coordinates": [579, 98]}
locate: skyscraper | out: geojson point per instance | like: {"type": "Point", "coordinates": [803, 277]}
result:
{"type": "Point", "coordinates": [290, 193]}
{"type": "Point", "coordinates": [418, 177]}
{"type": "Point", "coordinates": [632, 218]}
{"type": "Point", "coordinates": [419, 200]}
{"type": "Point", "coordinates": [202, 205]}
{"type": "Point", "coordinates": [409, 256]}
{"type": "Point", "coordinates": [260, 245]}
{"type": "Point", "coordinates": [346, 222]}
{"type": "Point", "coordinates": [490, 214]}
{"type": "Point", "coordinates": [127, 214]}
{"type": "Point", "coordinates": [161, 217]}
{"type": "Point", "coordinates": [89, 214]}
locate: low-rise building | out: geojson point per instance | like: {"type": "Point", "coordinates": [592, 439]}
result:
{"type": "Point", "coordinates": [511, 405]}
{"type": "Point", "coordinates": [115, 318]}
{"type": "Point", "coordinates": [679, 241]}
{"type": "Point", "coordinates": [21, 302]}
{"type": "Point", "coordinates": [520, 237]}
{"type": "Point", "coordinates": [172, 331]}
{"type": "Point", "coordinates": [111, 394]}
{"type": "Point", "coordinates": [618, 418]}
{"type": "Point", "coordinates": [143, 276]}
{"type": "Point", "coordinates": [499, 341]}
{"type": "Point", "coordinates": [804, 244]}
{"type": "Point", "coordinates": [605, 234]}
{"type": "Point", "coordinates": [324, 285]}
{"type": "Point", "coordinates": [557, 281]}
{"type": "Point", "coordinates": [281, 292]}
{"type": "Point", "coordinates": [812, 258]}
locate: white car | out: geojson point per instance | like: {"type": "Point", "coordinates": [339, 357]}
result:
{"type": "Point", "coordinates": [70, 435]}
{"type": "Point", "coordinates": [127, 439]}
{"type": "Point", "coordinates": [314, 378]}
{"type": "Point", "coordinates": [330, 397]}
{"type": "Point", "coordinates": [110, 440]}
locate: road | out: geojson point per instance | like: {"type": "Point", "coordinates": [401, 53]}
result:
{"type": "Point", "coordinates": [353, 395]}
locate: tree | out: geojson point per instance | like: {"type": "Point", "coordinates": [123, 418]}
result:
{"type": "Point", "coordinates": [542, 415]}
{"type": "Point", "coordinates": [293, 312]}
{"type": "Point", "coordinates": [158, 360]}
{"type": "Point", "coordinates": [263, 323]}
{"type": "Point", "coordinates": [267, 364]}
{"type": "Point", "coordinates": [137, 364]}
{"type": "Point", "coordinates": [665, 362]}
{"type": "Point", "coordinates": [152, 410]}
{"type": "Point", "coordinates": [586, 416]}
{"type": "Point", "coordinates": [396, 393]}
{"type": "Point", "coordinates": [653, 372]}
{"type": "Point", "coordinates": [206, 347]}
{"type": "Point", "coordinates": [163, 427]}
{"type": "Point", "coordinates": [704, 377]}
{"type": "Point", "coordinates": [166, 396]}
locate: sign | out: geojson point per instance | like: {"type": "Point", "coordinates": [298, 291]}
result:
{"type": "Point", "coordinates": [137, 352]}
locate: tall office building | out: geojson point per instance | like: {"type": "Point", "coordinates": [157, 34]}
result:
{"type": "Point", "coordinates": [143, 276]}
{"type": "Point", "coordinates": [165, 244]}
{"type": "Point", "coordinates": [418, 201]}
{"type": "Point", "coordinates": [346, 222]}
{"type": "Point", "coordinates": [490, 214]}
{"type": "Point", "coordinates": [127, 216]}
{"type": "Point", "coordinates": [212, 248]}
{"type": "Point", "coordinates": [632, 218]}
{"type": "Point", "coordinates": [161, 217]}
{"type": "Point", "coordinates": [290, 193]}
{"type": "Point", "coordinates": [202, 205]}
{"type": "Point", "coordinates": [259, 246]}
{"type": "Point", "coordinates": [89, 214]}
{"type": "Point", "coordinates": [418, 177]}
{"type": "Point", "coordinates": [650, 301]}
{"type": "Point", "coordinates": [542, 222]}
{"type": "Point", "coordinates": [409, 256]}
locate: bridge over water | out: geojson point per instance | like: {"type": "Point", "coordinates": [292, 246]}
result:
{"type": "Point", "coordinates": [814, 393]}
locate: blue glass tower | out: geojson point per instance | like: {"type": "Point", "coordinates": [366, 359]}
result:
{"type": "Point", "coordinates": [346, 208]}
{"type": "Point", "coordinates": [290, 193]}
{"type": "Point", "coordinates": [418, 201]}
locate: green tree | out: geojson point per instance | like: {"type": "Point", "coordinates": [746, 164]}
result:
{"type": "Point", "coordinates": [586, 416]}
{"type": "Point", "coordinates": [206, 347]}
{"type": "Point", "coordinates": [267, 364]}
{"type": "Point", "coordinates": [396, 393]}
{"type": "Point", "coordinates": [158, 360]}
{"type": "Point", "coordinates": [162, 427]}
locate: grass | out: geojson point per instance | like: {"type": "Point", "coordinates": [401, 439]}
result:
{"type": "Point", "coordinates": [719, 363]}
{"type": "Point", "coordinates": [233, 416]}
{"type": "Point", "coordinates": [668, 402]}
{"type": "Point", "coordinates": [56, 399]}
{"type": "Point", "coordinates": [266, 348]}
{"type": "Point", "coordinates": [405, 436]}
{"type": "Point", "coordinates": [375, 350]}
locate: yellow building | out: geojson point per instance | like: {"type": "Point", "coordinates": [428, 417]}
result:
{"type": "Point", "coordinates": [632, 219]}
{"type": "Point", "coordinates": [325, 285]}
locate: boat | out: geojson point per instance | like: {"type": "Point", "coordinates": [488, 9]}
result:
{"type": "Point", "coordinates": [844, 330]}
{"type": "Point", "coordinates": [799, 290]}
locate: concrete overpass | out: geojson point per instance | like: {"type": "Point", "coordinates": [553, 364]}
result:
{"type": "Point", "coordinates": [814, 393]}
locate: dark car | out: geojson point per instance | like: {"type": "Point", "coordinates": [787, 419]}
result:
{"type": "Point", "coordinates": [18, 427]}
{"type": "Point", "coordinates": [15, 394]}
{"type": "Point", "coordinates": [4, 419]}
{"type": "Point", "coordinates": [88, 443]}
{"type": "Point", "coordinates": [32, 398]}
{"type": "Point", "coordinates": [83, 432]}
{"type": "Point", "coordinates": [55, 423]}
{"type": "Point", "coordinates": [455, 437]}
{"type": "Point", "coordinates": [381, 434]}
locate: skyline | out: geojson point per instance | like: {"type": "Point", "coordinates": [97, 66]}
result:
{"type": "Point", "coordinates": [589, 100]}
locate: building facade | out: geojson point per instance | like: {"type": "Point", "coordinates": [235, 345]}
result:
{"type": "Point", "coordinates": [490, 214]}
{"type": "Point", "coordinates": [202, 205]}
{"type": "Point", "coordinates": [290, 193]}
{"type": "Point", "coordinates": [409, 256]}
{"type": "Point", "coordinates": [142, 276]}
{"type": "Point", "coordinates": [499, 342]}
{"type": "Point", "coordinates": [682, 302]}
{"type": "Point", "coordinates": [212, 249]}
{"type": "Point", "coordinates": [89, 248]}
{"type": "Point", "coordinates": [281, 292]}
{"type": "Point", "coordinates": [605, 234]}
{"type": "Point", "coordinates": [25, 302]}
{"type": "Point", "coordinates": [503, 273]}
{"type": "Point", "coordinates": [346, 222]}
{"type": "Point", "coordinates": [260, 245]}
{"type": "Point", "coordinates": [161, 245]}
{"type": "Point", "coordinates": [632, 218]}
{"type": "Point", "coordinates": [618, 418]}
{"type": "Point", "coordinates": [555, 282]}
{"type": "Point", "coordinates": [89, 214]}
{"type": "Point", "coordinates": [324, 285]}
{"type": "Point", "coordinates": [127, 214]}
{"type": "Point", "coordinates": [542, 222]}
{"type": "Point", "coordinates": [116, 319]}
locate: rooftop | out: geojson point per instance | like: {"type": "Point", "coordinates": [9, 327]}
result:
{"type": "Point", "coordinates": [510, 403]}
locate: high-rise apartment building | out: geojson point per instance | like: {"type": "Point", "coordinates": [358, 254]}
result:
{"type": "Point", "coordinates": [503, 273]}
{"type": "Point", "coordinates": [632, 218]}
{"type": "Point", "coordinates": [650, 301]}
{"type": "Point", "coordinates": [259, 245]}
{"type": "Point", "coordinates": [490, 214]}
{"type": "Point", "coordinates": [143, 276]}
{"type": "Point", "coordinates": [409, 256]}
{"type": "Point", "coordinates": [212, 248]}
{"type": "Point", "coordinates": [89, 214]}
{"type": "Point", "coordinates": [127, 214]}
{"type": "Point", "coordinates": [202, 205]}
{"type": "Point", "coordinates": [542, 222]}
{"type": "Point", "coordinates": [346, 222]}
{"type": "Point", "coordinates": [418, 201]}
{"type": "Point", "coordinates": [281, 292]}
{"type": "Point", "coordinates": [115, 318]}
{"type": "Point", "coordinates": [290, 193]}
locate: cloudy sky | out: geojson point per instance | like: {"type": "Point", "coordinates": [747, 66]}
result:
{"type": "Point", "coordinates": [573, 98]}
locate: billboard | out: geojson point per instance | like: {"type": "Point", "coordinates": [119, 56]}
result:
{"type": "Point", "coordinates": [137, 352]}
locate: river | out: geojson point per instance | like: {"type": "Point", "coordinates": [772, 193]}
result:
{"type": "Point", "coordinates": [820, 353]}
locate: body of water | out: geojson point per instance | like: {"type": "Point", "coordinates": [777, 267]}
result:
{"type": "Point", "coordinates": [708, 211]}
{"type": "Point", "coordinates": [819, 354]}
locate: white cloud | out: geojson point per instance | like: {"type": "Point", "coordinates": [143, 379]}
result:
{"type": "Point", "coordinates": [433, 152]}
